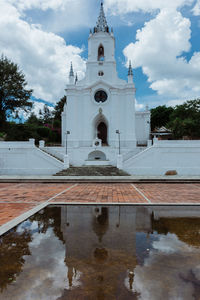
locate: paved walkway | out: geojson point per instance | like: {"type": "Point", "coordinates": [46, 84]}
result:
{"type": "Point", "coordinates": [19, 198]}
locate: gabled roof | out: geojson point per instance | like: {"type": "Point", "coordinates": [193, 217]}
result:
{"type": "Point", "coordinates": [120, 84]}
{"type": "Point", "coordinates": [162, 129]}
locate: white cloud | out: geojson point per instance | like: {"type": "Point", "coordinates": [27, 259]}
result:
{"type": "Point", "coordinates": [40, 4]}
{"type": "Point", "coordinates": [176, 102]}
{"type": "Point", "coordinates": [127, 6]}
{"type": "Point", "coordinates": [158, 47]}
{"type": "Point", "coordinates": [139, 106]}
{"type": "Point", "coordinates": [44, 271]}
{"type": "Point", "coordinates": [161, 276]}
{"type": "Point", "coordinates": [37, 106]}
{"type": "Point", "coordinates": [43, 56]}
{"type": "Point", "coordinates": [58, 15]}
{"type": "Point", "coordinates": [196, 9]}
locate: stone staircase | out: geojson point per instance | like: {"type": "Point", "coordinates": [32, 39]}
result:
{"type": "Point", "coordinates": [92, 171]}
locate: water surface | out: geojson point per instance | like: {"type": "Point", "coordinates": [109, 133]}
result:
{"type": "Point", "coordinates": [103, 252]}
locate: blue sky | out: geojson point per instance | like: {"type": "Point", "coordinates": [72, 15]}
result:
{"type": "Point", "coordinates": [160, 37]}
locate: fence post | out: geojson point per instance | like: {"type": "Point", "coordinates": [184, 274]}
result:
{"type": "Point", "coordinates": [66, 161]}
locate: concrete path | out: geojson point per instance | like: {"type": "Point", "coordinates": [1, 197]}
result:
{"type": "Point", "coordinates": [105, 179]}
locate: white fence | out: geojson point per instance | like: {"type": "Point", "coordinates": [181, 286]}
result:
{"type": "Point", "coordinates": [180, 156]}
{"type": "Point", "coordinates": [24, 158]}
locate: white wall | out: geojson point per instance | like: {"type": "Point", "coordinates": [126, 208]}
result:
{"type": "Point", "coordinates": [182, 156]}
{"type": "Point", "coordinates": [143, 126]}
{"type": "Point", "coordinates": [23, 158]}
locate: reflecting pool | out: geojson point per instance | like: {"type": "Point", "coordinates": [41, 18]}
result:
{"type": "Point", "coordinates": [103, 252]}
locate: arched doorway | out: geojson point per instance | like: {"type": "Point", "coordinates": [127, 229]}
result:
{"type": "Point", "coordinates": [102, 133]}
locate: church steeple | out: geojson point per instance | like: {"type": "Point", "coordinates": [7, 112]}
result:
{"type": "Point", "coordinates": [71, 75]}
{"type": "Point", "coordinates": [102, 24]}
{"type": "Point", "coordinates": [130, 70]}
{"type": "Point", "coordinates": [130, 73]}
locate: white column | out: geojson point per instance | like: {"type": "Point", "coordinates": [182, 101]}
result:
{"type": "Point", "coordinates": [32, 142]}
{"type": "Point", "coordinates": [41, 144]}
{"type": "Point", "coordinates": [149, 143]}
{"type": "Point", "coordinates": [66, 162]}
{"type": "Point", "coordinates": [155, 140]}
{"type": "Point", "coordinates": [120, 161]}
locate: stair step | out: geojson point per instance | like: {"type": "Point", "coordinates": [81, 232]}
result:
{"type": "Point", "coordinates": [92, 171]}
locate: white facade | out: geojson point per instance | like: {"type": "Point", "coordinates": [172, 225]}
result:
{"type": "Point", "coordinates": [96, 108]}
{"type": "Point", "coordinates": [101, 104]}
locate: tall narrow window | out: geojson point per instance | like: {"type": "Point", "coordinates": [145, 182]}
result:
{"type": "Point", "coordinates": [101, 53]}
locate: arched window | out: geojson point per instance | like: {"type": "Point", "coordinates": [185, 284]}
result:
{"type": "Point", "coordinates": [101, 53]}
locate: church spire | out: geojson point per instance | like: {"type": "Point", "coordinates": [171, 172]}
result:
{"type": "Point", "coordinates": [130, 70]}
{"type": "Point", "coordinates": [71, 75]}
{"type": "Point", "coordinates": [102, 24]}
{"type": "Point", "coordinates": [130, 73]}
{"type": "Point", "coordinates": [76, 78]}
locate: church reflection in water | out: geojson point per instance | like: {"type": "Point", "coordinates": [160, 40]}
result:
{"type": "Point", "coordinates": [103, 252]}
{"type": "Point", "coordinates": [100, 245]}
{"type": "Point", "coordinates": [103, 244]}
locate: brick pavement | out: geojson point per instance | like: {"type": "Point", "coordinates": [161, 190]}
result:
{"type": "Point", "coordinates": [9, 211]}
{"type": "Point", "coordinates": [15, 199]}
{"type": "Point", "coordinates": [101, 193]}
{"type": "Point", "coordinates": [171, 193]}
{"type": "Point", "coordinates": [30, 192]}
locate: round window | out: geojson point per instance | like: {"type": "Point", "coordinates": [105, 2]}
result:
{"type": "Point", "coordinates": [101, 73]}
{"type": "Point", "coordinates": [100, 96]}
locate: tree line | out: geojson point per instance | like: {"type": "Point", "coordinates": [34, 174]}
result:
{"type": "Point", "coordinates": [15, 98]}
{"type": "Point", "coordinates": [183, 120]}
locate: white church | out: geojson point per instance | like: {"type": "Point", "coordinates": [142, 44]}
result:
{"type": "Point", "coordinates": [100, 126]}
{"type": "Point", "coordinates": [99, 119]}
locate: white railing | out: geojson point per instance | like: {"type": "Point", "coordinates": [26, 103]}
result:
{"type": "Point", "coordinates": [176, 143]}
{"type": "Point", "coordinates": [126, 156]}
{"type": "Point", "coordinates": [56, 152]}
{"type": "Point", "coordinates": [14, 145]}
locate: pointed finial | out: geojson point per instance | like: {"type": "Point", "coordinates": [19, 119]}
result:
{"type": "Point", "coordinates": [130, 70]}
{"type": "Point", "coordinates": [76, 78]}
{"type": "Point", "coordinates": [71, 73]}
{"type": "Point", "coordinates": [101, 23]}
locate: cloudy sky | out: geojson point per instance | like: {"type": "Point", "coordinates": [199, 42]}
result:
{"type": "Point", "coordinates": [162, 39]}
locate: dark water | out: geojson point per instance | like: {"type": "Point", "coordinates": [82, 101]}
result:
{"type": "Point", "coordinates": [89, 252]}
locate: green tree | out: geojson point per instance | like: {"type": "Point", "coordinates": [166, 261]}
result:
{"type": "Point", "coordinates": [13, 93]}
{"type": "Point", "coordinates": [14, 246]}
{"type": "Point", "coordinates": [58, 109]}
{"type": "Point", "coordinates": [185, 120]}
{"type": "Point", "coordinates": [33, 120]}
{"type": "Point", "coordinates": [160, 116]}
{"type": "Point", "coordinates": [47, 115]}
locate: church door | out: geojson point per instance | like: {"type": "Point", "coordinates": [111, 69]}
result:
{"type": "Point", "coordinates": [102, 133]}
